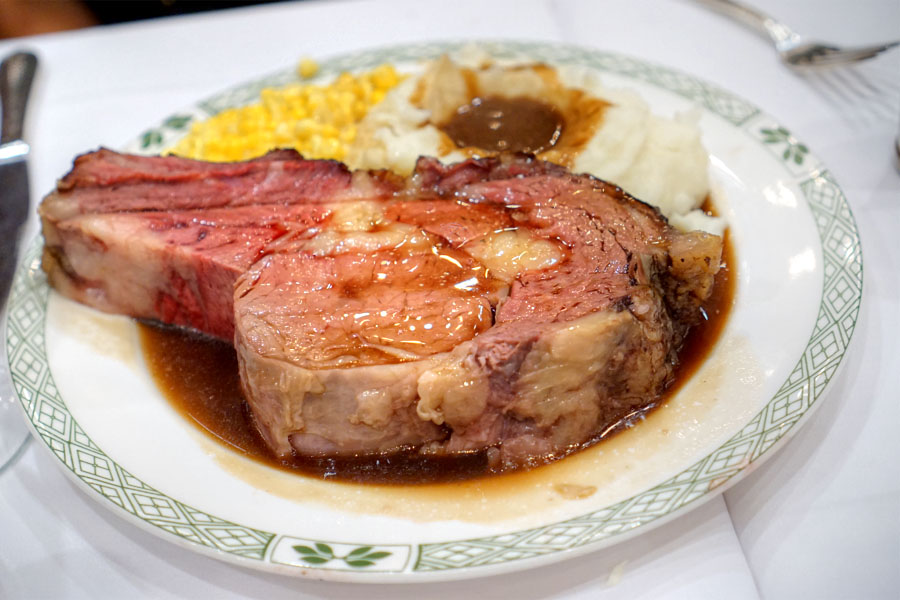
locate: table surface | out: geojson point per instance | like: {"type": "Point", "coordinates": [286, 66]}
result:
{"type": "Point", "coordinates": [820, 519]}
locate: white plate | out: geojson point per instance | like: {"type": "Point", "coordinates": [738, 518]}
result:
{"type": "Point", "coordinates": [85, 389]}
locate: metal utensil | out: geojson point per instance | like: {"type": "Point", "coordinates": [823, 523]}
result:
{"type": "Point", "coordinates": [794, 49]}
{"type": "Point", "coordinates": [16, 75]}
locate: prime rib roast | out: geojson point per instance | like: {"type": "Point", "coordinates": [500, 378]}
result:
{"type": "Point", "coordinates": [502, 305]}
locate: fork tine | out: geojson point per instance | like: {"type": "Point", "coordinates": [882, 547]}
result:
{"type": "Point", "coordinates": [869, 51]}
{"type": "Point", "coordinates": [877, 49]}
{"type": "Point", "coordinates": [847, 55]}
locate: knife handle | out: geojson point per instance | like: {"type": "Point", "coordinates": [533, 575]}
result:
{"type": "Point", "coordinates": [16, 75]}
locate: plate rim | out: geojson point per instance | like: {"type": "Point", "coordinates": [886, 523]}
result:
{"type": "Point", "coordinates": [27, 306]}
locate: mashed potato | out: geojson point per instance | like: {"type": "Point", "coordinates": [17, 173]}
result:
{"type": "Point", "coordinates": [661, 161]}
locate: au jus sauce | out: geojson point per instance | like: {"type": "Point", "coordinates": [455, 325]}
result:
{"type": "Point", "coordinates": [199, 376]}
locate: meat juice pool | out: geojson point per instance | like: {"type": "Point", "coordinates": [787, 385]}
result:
{"type": "Point", "coordinates": [199, 376]}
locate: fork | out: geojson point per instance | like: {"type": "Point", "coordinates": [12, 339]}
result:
{"type": "Point", "coordinates": [795, 50]}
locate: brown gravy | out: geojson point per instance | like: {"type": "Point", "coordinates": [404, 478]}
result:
{"type": "Point", "coordinates": [555, 124]}
{"type": "Point", "coordinates": [199, 376]}
{"type": "Point", "coordinates": [506, 125]}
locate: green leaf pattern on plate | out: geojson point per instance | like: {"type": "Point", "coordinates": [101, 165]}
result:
{"type": "Point", "coordinates": [793, 149]}
{"type": "Point", "coordinates": [172, 128]}
{"type": "Point", "coordinates": [177, 121]}
{"type": "Point", "coordinates": [151, 137]}
{"type": "Point", "coordinates": [360, 557]}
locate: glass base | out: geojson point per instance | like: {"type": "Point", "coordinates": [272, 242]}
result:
{"type": "Point", "coordinates": [13, 430]}
{"type": "Point", "coordinates": [13, 433]}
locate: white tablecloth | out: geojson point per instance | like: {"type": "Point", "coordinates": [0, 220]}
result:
{"type": "Point", "coordinates": [821, 519]}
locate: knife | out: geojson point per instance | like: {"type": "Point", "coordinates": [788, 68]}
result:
{"type": "Point", "coordinates": [16, 74]}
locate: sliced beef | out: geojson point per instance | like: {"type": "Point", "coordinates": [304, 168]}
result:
{"type": "Point", "coordinates": [165, 238]}
{"type": "Point", "coordinates": [501, 305]}
{"type": "Point", "coordinates": [530, 365]}
{"type": "Point", "coordinates": [108, 182]}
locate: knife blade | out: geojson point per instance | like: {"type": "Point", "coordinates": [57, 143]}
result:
{"type": "Point", "coordinates": [16, 75]}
